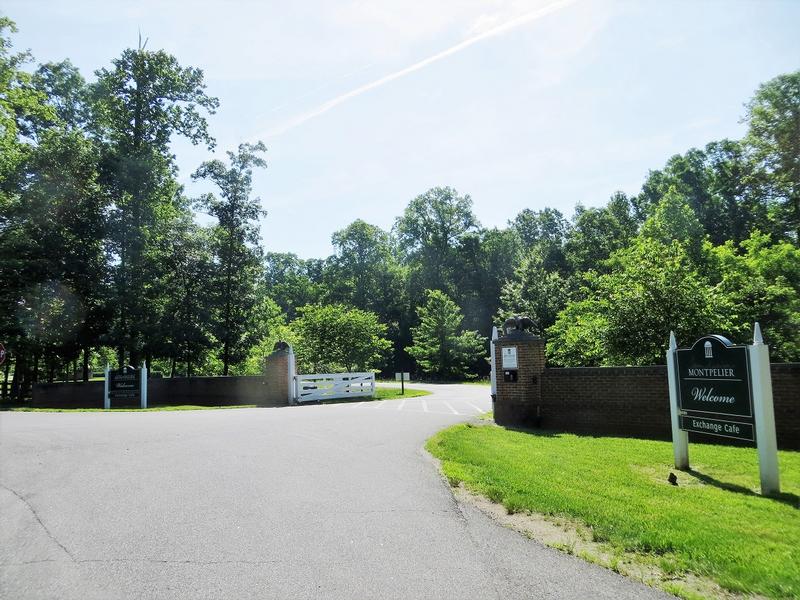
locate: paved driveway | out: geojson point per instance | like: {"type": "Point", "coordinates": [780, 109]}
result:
{"type": "Point", "coordinates": [333, 501]}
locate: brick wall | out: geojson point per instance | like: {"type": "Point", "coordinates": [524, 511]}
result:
{"type": "Point", "coordinates": [269, 390]}
{"type": "Point", "coordinates": [626, 401]}
{"type": "Point", "coordinates": [634, 401]}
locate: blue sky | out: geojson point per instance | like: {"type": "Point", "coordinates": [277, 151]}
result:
{"type": "Point", "coordinates": [532, 103]}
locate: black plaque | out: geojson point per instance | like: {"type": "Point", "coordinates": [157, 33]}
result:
{"type": "Point", "coordinates": [730, 429]}
{"type": "Point", "coordinates": [714, 379]}
{"type": "Point", "coordinates": [125, 384]}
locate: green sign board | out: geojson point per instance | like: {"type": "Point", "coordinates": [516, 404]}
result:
{"type": "Point", "coordinates": [124, 384]}
{"type": "Point", "coordinates": [729, 429]}
{"type": "Point", "coordinates": [714, 379]}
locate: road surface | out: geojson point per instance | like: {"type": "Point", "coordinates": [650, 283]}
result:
{"type": "Point", "coordinates": [332, 501]}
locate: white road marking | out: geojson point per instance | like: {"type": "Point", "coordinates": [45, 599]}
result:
{"type": "Point", "coordinates": [447, 404]}
{"type": "Point", "coordinates": [402, 404]}
{"type": "Point", "coordinates": [424, 405]}
{"type": "Point", "coordinates": [480, 410]}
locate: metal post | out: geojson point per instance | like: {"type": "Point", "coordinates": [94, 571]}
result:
{"type": "Point", "coordinates": [493, 372]}
{"type": "Point", "coordinates": [680, 438]}
{"type": "Point", "coordinates": [402, 382]}
{"type": "Point", "coordinates": [143, 385]}
{"type": "Point", "coordinates": [106, 397]}
{"type": "Point", "coordinates": [766, 439]}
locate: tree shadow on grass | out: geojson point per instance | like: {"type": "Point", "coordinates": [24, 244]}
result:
{"type": "Point", "coordinates": [792, 500]}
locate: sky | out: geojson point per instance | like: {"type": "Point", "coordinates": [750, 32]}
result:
{"type": "Point", "coordinates": [365, 104]}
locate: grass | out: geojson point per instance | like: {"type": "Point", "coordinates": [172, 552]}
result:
{"type": "Point", "coordinates": [390, 393]}
{"type": "Point", "coordinates": [381, 393]}
{"type": "Point", "coordinates": [714, 524]}
{"type": "Point", "coordinates": [131, 409]}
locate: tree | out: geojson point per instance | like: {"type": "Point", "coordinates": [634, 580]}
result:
{"type": "Point", "coordinates": [364, 271]}
{"type": "Point", "coordinates": [773, 118]}
{"type": "Point", "coordinates": [235, 243]}
{"type": "Point", "coordinates": [138, 106]}
{"type": "Point", "coordinates": [432, 227]}
{"type": "Point", "coordinates": [291, 281]}
{"type": "Point", "coordinates": [760, 281]}
{"type": "Point", "coordinates": [441, 347]}
{"type": "Point", "coordinates": [597, 232]}
{"type": "Point", "coordinates": [534, 292]}
{"type": "Point", "coordinates": [652, 288]}
{"type": "Point", "coordinates": [674, 220]}
{"type": "Point", "coordinates": [186, 322]}
{"type": "Point", "coordinates": [333, 337]}
{"type": "Point", "coordinates": [545, 232]}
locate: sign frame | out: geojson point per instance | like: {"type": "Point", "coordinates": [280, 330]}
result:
{"type": "Point", "coordinates": [509, 357]}
{"type": "Point", "coordinates": [735, 352]}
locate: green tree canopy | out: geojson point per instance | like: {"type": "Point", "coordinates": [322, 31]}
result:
{"type": "Point", "coordinates": [235, 244]}
{"type": "Point", "coordinates": [441, 347]}
{"type": "Point", "coordinates": [773, 116]}
{"type": "Point", "coordinates": [334, 337]}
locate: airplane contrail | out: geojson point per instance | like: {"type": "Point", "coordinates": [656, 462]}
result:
{"type": "Point", "coordinates": [502, 28]}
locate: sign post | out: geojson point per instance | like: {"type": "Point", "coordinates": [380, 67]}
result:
{"type": "Point", "coordinates": [493, 372]}
{"type": "Point", "coordinates": [106, 396]}
{"type": "Point", "coordinates": [402, 378]}
{"type": "Point", "coordinates": [720, 389]}
{"type": "Point", "coordinates": [143, 386]}
{"type": "Point", "coordinates": [680, 439]}
{"type": "Point", "coordinates": [764, 414]}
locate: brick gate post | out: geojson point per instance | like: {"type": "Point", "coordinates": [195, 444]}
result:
{"type": "Point", "coordinates": [518, 389]}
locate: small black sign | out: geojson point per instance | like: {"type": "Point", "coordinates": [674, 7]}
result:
{"type": "Point", "coordinates": [125, 384]}
{"type": "Point", "coordinates": [714, 378]}
{"type": "Point", "coordinates": [730, 429]}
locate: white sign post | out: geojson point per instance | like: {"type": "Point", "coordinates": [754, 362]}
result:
{"type": "Point", "coordinates": [766, 439]}
{"type": "Point", "coordinates": [106, 397]}
{"type": "Point", "coordinates": [680, 438]}
{"type": "Point", "coordinates": [144, 386]}
{"type": "Point", "coordinates": [493, 372]}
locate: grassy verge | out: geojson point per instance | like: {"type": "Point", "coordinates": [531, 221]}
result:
{"type": "Point", "coordinates": [148, 409]}
{"type": "Point", "coordinates": [390, 393]}
{"type": "Point", "coordinates": [381, 393]}
{"type": "Point", "coordinates": [713, 524]}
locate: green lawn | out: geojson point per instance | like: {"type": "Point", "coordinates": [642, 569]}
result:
{"type": "Point", "coordinates": [381, 393]}
{"type": "Point", "coordinates": [713, 524]}
{"type": "Point", "coordinates": [148, 409]}
{"type": "Point", "coordinates": [390, 393]}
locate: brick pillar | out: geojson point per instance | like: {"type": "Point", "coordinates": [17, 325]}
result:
{"type": "Point", "coordinates": [518, 401]}
{"type": "Point", "coordinates": [276, 378]}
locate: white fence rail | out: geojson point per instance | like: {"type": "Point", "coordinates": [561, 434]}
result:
{"type": "Point", "coordinates": [328, 386]}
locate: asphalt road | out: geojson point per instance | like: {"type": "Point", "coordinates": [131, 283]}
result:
{"type": "Point", "coordinates": [333, 501]}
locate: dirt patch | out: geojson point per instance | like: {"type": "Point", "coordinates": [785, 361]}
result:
{"type": "Point", "coordinates": [576, 538]}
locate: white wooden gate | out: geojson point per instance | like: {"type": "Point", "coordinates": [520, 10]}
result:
{"type": "Point", "coordinates": [327, 386]}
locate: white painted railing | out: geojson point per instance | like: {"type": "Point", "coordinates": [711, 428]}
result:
{"type": "Point", "coordinates": [327, 386]}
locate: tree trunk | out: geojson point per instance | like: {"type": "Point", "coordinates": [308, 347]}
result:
{"type": "Point", "coordinates": [172, 368]}
{"type": "Point", "coordinates": [35, 374]}
{"type": "Point", "coordinates": [19, 369]}
{"type": "Point", "coordinates": [6, 370]}
{"type": "Point", "coordinates": [86, 364]}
